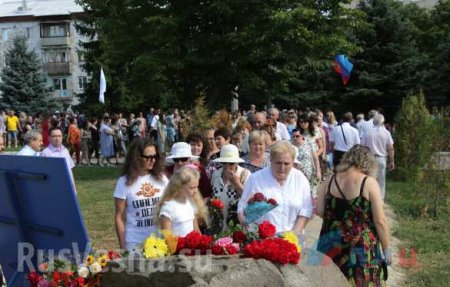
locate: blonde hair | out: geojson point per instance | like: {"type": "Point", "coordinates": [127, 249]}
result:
{"type": "Point", "coordinates": [359, 157]}
{"type": "Point", "coordinates": [181, 177]}
{"type": "Point", "coordinates": [257, 136]}
{"type": "Point", "coordinates": [283, 146]}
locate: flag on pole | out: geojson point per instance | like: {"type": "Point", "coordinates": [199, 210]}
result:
{"type": "Point", "coordinates": [101, 97]}
{"type": "Point", "coordinates": [343, 67]}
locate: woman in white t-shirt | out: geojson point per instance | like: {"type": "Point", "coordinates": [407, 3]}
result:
{"type": "Point", "coordinates": [138, 192]}
{"type": "Point", "coordinates": [182, 204]}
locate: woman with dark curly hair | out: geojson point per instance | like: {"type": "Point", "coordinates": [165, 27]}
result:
{"type": "Point", "coordinates": [138, 191]}
{"type": "Point", "coordinates": [354, 224]}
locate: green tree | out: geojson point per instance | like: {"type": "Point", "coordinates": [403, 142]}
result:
{"type": "Point", "coordinates": [390, 65]}
{"type": "Point", "coordinates": [23, 83]}
{"type": "Point", "coordinates": [168, 52]}
{"type": "Point", "coordinates": [412, 136]}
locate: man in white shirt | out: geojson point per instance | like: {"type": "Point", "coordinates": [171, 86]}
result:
{"type": "Point", "coordinates": [343, 137]}
{"type": "Point", "coordinates": [366, 126]}
{"type": "Point", "coordinates": [360, 123]}
{"type": "Point", "coordinates": [33, 144]}
{"type": "Point", "coordinates": [282, 130]}
{"type": "Point", "coordinates": [380, 142]}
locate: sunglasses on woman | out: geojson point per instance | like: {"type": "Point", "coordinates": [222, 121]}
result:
{"type": "Point", "coordinates": [150, 157]}
{"type": "Point", "coordinates": [180, 159]}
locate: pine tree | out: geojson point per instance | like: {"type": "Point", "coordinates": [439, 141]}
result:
{"type": "Point", "coordinates": [23, 83]}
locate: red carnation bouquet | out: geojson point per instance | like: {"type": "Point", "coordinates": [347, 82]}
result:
{"type": "Point", "coordinates": [193, 243]}
{"type": "Point", "coordinates": [267, 246]}
{"type": "Point", "coordinates": [216, 219]}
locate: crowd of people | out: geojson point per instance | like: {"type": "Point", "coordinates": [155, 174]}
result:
{"type": "Point", "coordinates": [306, 160]}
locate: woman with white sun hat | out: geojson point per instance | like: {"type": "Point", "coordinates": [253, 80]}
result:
{"type": "Point", "coordinates": [228, 181]}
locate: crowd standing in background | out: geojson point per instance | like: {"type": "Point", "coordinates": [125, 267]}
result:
{"type": "Point", "coordinates": [172, 168]}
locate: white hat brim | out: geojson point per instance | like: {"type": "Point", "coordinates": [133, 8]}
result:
{"type": "Point", "coordinates": [228, 160]}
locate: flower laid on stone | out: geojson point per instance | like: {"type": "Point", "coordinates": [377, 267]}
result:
{"type": "Point", "coordinates": [278, 250]}
{"type": "Point", "coordinates": [63, 272]}
{"type": "Point", "coordinates": [266, 229]}
{"type": "Point", "coordinates": [225, 246]}
{"type": "Point", "coordinates": [194, 243]}
{"type": "Point", "coordinates": [155, 247]}
{"type": "Point", "coordinates": [292, 238]}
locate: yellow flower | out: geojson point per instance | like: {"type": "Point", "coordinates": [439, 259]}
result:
{"type": "Point", "coordinates": [103, 260]}
{"type": "Point", "coordinates": [291, 237]}
{"type": "Point", "coordinates": [171, 241]}
{"type": "Point", "coordinates": [155, 247]}
{"type": "Point", "coordinates": [89, 260]}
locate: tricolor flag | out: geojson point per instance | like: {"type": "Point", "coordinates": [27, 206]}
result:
{"type": "Point", "coordinates": [101, 96]}
{"type": "Point", "coordinates": [343, 67]}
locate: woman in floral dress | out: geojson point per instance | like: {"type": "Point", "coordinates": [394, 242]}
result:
{"type": "Point", "coordinates": [354, 224]}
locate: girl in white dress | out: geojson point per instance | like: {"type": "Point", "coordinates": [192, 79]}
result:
{"type": "Point", "coordinates": [182, 204]}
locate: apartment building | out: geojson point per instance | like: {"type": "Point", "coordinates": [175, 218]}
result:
{"type": "Point", "coordinates": [50, 30]}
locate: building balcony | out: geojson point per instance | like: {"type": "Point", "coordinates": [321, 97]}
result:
{"type": "Point", "coordinates": [55, 41]}
{"type": "Point", "coordinates": [53, 69]}
{"type": "Point", "coordinates": [63, 94]}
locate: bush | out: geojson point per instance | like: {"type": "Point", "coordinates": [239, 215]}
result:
{"type": "Point", "coordinates": [412, 136]}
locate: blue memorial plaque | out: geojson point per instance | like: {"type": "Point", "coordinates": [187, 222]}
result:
{"type": "Point", "coordinates": [39, 211]}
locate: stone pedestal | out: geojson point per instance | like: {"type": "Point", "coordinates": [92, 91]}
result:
{"type": "Point", "coordinates": [208, 270]}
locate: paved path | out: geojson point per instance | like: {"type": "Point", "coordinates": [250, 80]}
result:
{"type": "Point", "coordinates": [396, 276]}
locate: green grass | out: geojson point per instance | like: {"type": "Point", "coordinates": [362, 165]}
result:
{"type": "Point", "coordinates": [429, 237]}
{"type": "Point", "coordinates": [95, 187]}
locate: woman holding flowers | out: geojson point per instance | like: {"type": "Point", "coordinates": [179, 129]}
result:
{"type": "Point", "coordinates": [138, 192]}
{"type": "Point", "coordinates": [182, 204]}
{"type": "Point", "coordinates": [228, 181]}
{"type": "Point", "coordinates": [354, 224]}
{"type": "Point", "coordinates": [286, 185]}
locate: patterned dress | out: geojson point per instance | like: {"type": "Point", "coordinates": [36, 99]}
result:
{"type": "Point", "coordinates": [350, 238]}
{"type": "Point", "coordinates": [306, 159]}
{"type": "Point", "coordinates": [226, 192]}
{"type": "Point", "coordinates": [253, 168]}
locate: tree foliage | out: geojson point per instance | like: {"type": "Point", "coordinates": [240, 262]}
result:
{"type": "Point", "coordinates": [412, 136]}
{"type": "Point", "coordinates": [23, 84]}
{"type": "Point", "coordinates": [167, 52]}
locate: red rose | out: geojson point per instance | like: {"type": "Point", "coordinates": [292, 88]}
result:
{"type": "Point", "coordinates": [193, 239]}
{"type": "Point", "coordinates": [259, 197]}
{"type": "Point", "coordinates": [79, 281]}
{"type": "Point", "coordinates": [34, 278]}
{"type": "Point", "coordinates": [266, 229]}
{"type": "Point", "coordinates": [231, 250]}
{"type": "Point", "coordinates": [205, 242]}
{"type": "Point", "coordinates": [253, 250]}
{"type": "Point", "coordinates": [239, 236]}
{"type": "Point", "coordinates": [113, 255]}
{"type": "Point", "coordinates": [217, 203]}
{"type": "Point", "coordinates": [272, 201]}
{"type": "Point", "coordinates": [56, 276]}
{"type": "Point", "coordinates": [250, 200]}
{"type": "Point", "coordinates": [217, 250]}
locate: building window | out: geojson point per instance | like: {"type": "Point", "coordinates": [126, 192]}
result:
{"type": "Point", "coordinates": [56, 56]}
{"type": "Point", "coordinates": [6, 34]}
{"type": "Point", "coordinates": [80, 56]}
{"type": "Point", "coordinates": [60, 84]}
{"type": "Point", "coordinates": [82, 83]}
{"type": "Point", "coordinates": [29, 32]}
{"type": "Point", "coordinates": [49, 30]}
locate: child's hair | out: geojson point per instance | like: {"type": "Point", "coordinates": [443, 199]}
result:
{"type": "Point", "coordinates": [181, 177]}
